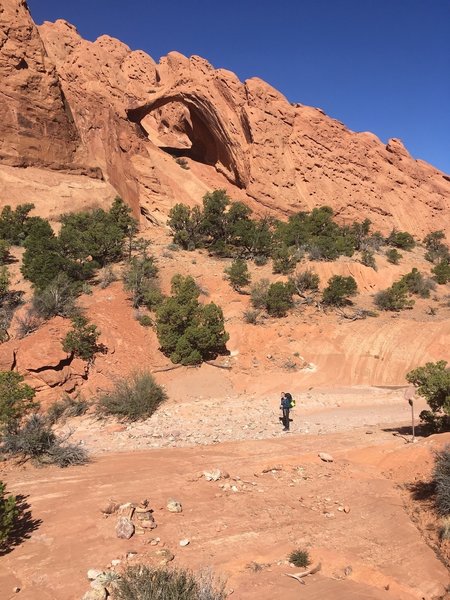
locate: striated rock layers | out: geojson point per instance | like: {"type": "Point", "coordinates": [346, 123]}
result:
{"type": "Point", "coordinates": [67, 101]}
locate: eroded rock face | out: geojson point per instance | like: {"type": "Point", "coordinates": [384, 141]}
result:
{"type": "Point", "coordinates": [36, 124]}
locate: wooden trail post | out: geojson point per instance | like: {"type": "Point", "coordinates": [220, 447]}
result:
{"type": "Point", "coordinates": [410, 394]}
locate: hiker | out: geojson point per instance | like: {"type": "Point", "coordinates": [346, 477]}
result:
{"type": "Point", "coordinates": [285, 405]}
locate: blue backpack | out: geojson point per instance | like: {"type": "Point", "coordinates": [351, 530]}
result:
{"type": "Point", "coordinates": [291, 400]}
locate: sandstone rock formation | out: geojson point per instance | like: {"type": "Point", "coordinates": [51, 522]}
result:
{"type": "Point", "coordinates": [105, 109]}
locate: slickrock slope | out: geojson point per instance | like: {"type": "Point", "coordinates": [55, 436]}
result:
{"type": "Point", "coordinates": [36, 123]}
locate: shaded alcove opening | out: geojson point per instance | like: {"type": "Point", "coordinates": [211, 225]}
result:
{"type": "Point", "coordinates": [179, 128]}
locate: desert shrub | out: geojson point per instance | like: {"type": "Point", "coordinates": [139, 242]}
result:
{"type": "Point", "coordinates": [189, 332]}
{"type": "Point", "coordinates": [182, 162]}
{"type": "Point", "coordinates": [251, 316]}
{"type": "Point", "coordinates": [258, 293]}
{"type": "Point", "coordinates": [8, 514]}
{"type": "Point", "coordinates": [437, 250]}
{"type": "Point", "coordinates": [401, 239]}
{"type": "Point", "coordinates": [4, 282]}
{"type": "Point", "coordinates": [338, 290]}
{"type": "Point", "coordinates": [56, 299]}
{"type": "Point", "coordinates": [417, 284]}
{"type": "Point", "coordinates": [279, 299]}
{"type": "Point", "coordinates": [27, 323]}
{"type": "Point", "coordinates": [260, 260]}
{"type": "Point", "coordinates": [138, 278]}
{"type": "Point", "coordinates": [106, 276]}
{"type": "Point", "coordinates": [35, 439]}
{"type": "Point", "coordinates": [394, 298]}
{"type": "Point", "coordinates": [145, 320]}
{"type": "Point", "coordinates": [16, 398]}
{"type": "Point", "coordinates": [299, 558]}
{"type": "Point", "coordinates": [284, 259]}
{"type": "Point", "coordinates": [82, 339]}
{"type": "Point", "coordinates": [8, 305]}
{"type": "Point", "coordinates": [134, 398]}
{"type": "Point", "coordinates": [4, 251]}
{"type": "Point", "coordinates": [305, 281]}
{"type": "Point", "coordinates": [433, 383]}
{"type": "Point", "coordinates": [185, 224]}
{"type": "Point", "coordinates": [368, 259]}
{"type": "Point", "coordinates": [441, 478]}
{"type": "Point", "coordinates": [393, 256]}
{"type": "Point", "coordinates": [238, 274]}
{"type": "Point", "coordinates": [441, 272]}
{"type": "Point", "coordinates": [139, 582]}
{"type": "Point", "coordinates": [65, 408]}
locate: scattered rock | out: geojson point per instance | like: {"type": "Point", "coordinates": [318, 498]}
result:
{"type": "Point", "coordinates": [184, 543]}
{"type": "Point", "coordinates": [110, 508]}
{"type": "Point", "coordinates": [115, 562]}
{"type": "Point", "coordinates": [348, 571]}
{"type": "Point", "coordinates": [325, 457]}
{"type": "Point", "coordinates": [149, 524]}
{"type": "Point", "coordinates": [174, 506]}
{"type": "Point", "coordinates": [164, 555]}
{"type": "Point", "coordinates": [272, 469]}
{"type": "Point", "coordinates": [346, 509]}
{"type": "Point", "coordinates": [16, 590]}
{"type": "Point", "coordinates": [131, 554]}
{"type": "Point", "coordinates": [98, 593]}
{"type": "Point", "coordinates": [213, 475]}
{"type": "Point", "coordinates": [124, 528]}
{"type": "Point", "coordinates": [93, 574]}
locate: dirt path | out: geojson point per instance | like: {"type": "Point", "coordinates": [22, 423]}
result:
{"type": "Point", "coordinates": [208, 421]}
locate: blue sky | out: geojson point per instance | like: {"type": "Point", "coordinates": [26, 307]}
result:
{"type": "Point", "coordinates": [376, 65]}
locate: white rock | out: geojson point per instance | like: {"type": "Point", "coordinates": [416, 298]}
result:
{"type": "Point", "coordinates": [184, 543]}
{"type": "Point", "coordinates": [213, 475]}
{"type": "Point", "coordinates": [174, 506]}
{"type": "Point", "coordinates": [93, 574]}
{"type": "Point", "coordinates": [325, 457]}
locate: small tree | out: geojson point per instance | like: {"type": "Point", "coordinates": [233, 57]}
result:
{"type": "Point", "coordinates": [16, 398]}
{"type": "Point", "coordinates": [441, 272]}
{"type": "Point", "coordinates": [368, 259]}
{"type": "Point", "coordinates": [8, 514]}
{"type": "Point", "coordinates": [394, 298]}
{"type": "Point", "coordinates": [82, 339]}
{"type": "Point", "coordinates": [4, 251]}
{"type": "Point", "coordinates": [433, 383]}
{"type": "Point", "coordinates": [417, 284]}
{"type": "Point", "coordinates": [284, 259]}
{"type": "Point", "coordinates": [4, 282]}
{"type": "Point", "coordinates": [338, 290]}
{"type": "Point", "coordinates": [56, 299]}
{"type": "Point", "coordinates": [279, 299]}
{"type": "Point", "coordinates": [437, 250]}
{"type": "Point", "coordinates": [238, 274]}
{"type": "Point", "coordinates": [393, 256]}
{"type": "Point", "coordinates": [401, 239]}
{"type": "Point", "coordinates": [138, 278]}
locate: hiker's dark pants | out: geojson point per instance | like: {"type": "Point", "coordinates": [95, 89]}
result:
{"type": "Point", "coordinates": [286, 417]}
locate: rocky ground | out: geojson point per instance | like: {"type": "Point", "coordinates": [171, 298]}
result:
{"type": "Point", "coordinates": [353, 514]}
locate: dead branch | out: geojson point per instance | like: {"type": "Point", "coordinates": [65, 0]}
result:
{"type": "Point", "coordinates": [299, 576]}
{"type": "Point", "coordinates": [163, 369]}
{"type": "Point", "coordinates": [218, 366]}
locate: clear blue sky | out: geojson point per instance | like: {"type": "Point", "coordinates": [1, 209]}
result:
{"type": "Point", "coordinates": [376, 65]}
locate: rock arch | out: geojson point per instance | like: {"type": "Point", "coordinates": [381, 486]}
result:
{"type": "Point", "coordinates": [213, 140]}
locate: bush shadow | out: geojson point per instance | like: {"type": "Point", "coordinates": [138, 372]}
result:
{"type": "Point", "coordinates": [406, 430]}
{"type": "Point", "coordinates": [24, 525]}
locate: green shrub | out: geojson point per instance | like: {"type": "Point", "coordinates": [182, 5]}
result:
{"type": "Point", "coordinates": [441, 477]}
{"type": "Point", "coordinates": [441, 272]}
{"type": "Point", "coordinates": [258, 293]}
{"type": "Point", "coordinates": [82, 339]}
{"type": "Point", "coordinates": [368, 259]}
{"type": "Point", "coordinates": [393, 256]}
{"type": "Point", "coordinates": [4, 282]}
{"type": "Point", "coordinates": [437, 251]}
{"type": "Point", "coordinates": [279, 299]}
{"type": "Point", "coordinates": [14, 223]}
{"type": "Point", "coordinates": [141, 582]}
{"type": "Point", "coordinates": [260, 260]}
{"type": "Point", "coordinates": [4, 251]}
{"type": "Point", "coordinates": [16, 398]}
{"type": "Point", "coordinates": [433, 383]}
{"type": "Point", "coordinates": [251, 316]}
{"type": "Point", "coordinates": [134, 398]}
{"type": "Point", "coordinates": [138, 278]}
{"type": "Point", "coordinates": [417, 284]}
{"type": "Point", "coordinates": [36, 440]}
{"type": "Point", "coordinates": [189, 332]}
{"type": "Point", "coordinates": [238, 274]}
{"type": "Point", "coordinates": [401, 239]}
{"type": "Point", "coordinates": [305, 281]}
{"type": "Point", "coordinates": [299, 558]}
{"type": "Point", "coordinates": [394, 298]}
{"type": "Point", "coordinates": [145, 320]}
{"type": "Point", "coordinates": [8, 514]}
{"type": "Point", "coordinates": [183, 163]}
{"type": "Point", "coordinates": [284, 259]}
{"type": "Point", "coordinates": [338, 290]}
